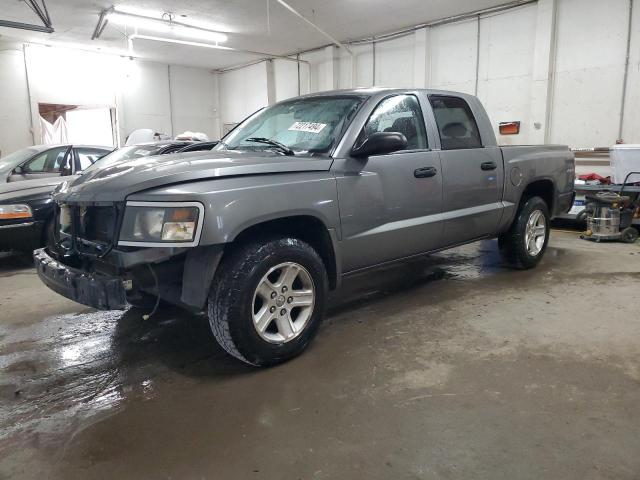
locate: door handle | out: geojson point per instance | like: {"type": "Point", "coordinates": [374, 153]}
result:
{"type": "Point", "coordinates": [425, 172]}
{"type": "Point", "coordinates": [489, 166]}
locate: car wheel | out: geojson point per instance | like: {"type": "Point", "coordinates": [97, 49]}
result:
{"type": "Point", "coordinates": [267, 300]}
{"type": "Point", "coordinates": [523, 246]}
{"type": "Point", "coordinates": [629, 235]}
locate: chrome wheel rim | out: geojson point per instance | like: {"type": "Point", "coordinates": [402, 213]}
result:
{"type": "Point", "coordinates": [283, 303]}
{"type": "Point", "coordinates": [535, 233]}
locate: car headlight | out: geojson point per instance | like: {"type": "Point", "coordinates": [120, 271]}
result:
{"type": "Point", "coordinates": [161, 224]}
{"type": "Point", "coordinates": [12, 212]}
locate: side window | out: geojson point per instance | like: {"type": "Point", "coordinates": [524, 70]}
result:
{"type": "Point", "coordinates": [400, 113]}
{"type": "Point", "coordinates": [456, 125]}
{"type": "Point", "coordinates": [87, 157]}
{"type": "Point", "coordinates": [51, 161]}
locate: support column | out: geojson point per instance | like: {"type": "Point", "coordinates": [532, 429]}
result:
{"type": "Point", "coordinates": [36, 131]}
{"type": "Point", "coordinates": [271, 82]}
{"type": "Point", "coordinates": [543, 81]}
{"type": "Point", "coordinates": [420, 54]}
{"type": "Point", "coordinates": [333, 68]}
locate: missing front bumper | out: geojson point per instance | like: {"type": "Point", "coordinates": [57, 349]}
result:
{"type": "Point", "coordinates": [94, 290]}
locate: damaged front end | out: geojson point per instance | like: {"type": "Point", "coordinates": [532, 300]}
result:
{"type": "Point", "coordinates": [86, 262]}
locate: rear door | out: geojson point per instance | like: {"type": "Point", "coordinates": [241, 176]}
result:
{"type": "Point", "coordinates": [472, 173]}
{"type": "Point", "coordinates": [390, 204]}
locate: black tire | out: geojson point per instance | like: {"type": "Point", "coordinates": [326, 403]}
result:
{"type": "Point", "coordinates": [230, 304]}
{"type": "Point", "coordinates": [629, 235]}
{"type": "Point", "coordinates": [512, 243]}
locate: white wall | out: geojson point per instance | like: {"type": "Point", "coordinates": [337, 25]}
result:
{"type": "Point", "coordinates": [138, 90]}
{"type": "Point", "coordinates": [631, 128]}
{"type": "Point", "coordinates": [452, 54]}
{"type": "Point", "coordinates": [511, 59]}
{"type": "Point", "coordinates": [194, 100]}
{"type": "Point", "coordinates": [323, 70]}
{"type": "Point", "coordinates": [285, 78]}
{"type": "Point", "coordinates": [242, 92]}
{"type": "Point", "coordinates": [363, 71]}
{"type": "Point", "coordinates": [145, 98]}
{"type": "Point", "coordinates": [15, 124]}
{"type": "Point", "coordinates": [394, 62]}
{"type": "Point", "coordinates": [505, 71]}
{"type": "Point", "coordinates": [575, 82]}
{"type": "Point", "coordinates": [591, 51]}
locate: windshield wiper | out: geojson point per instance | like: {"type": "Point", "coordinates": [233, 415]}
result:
{"type": "Point", "coordinates": [280, 146]}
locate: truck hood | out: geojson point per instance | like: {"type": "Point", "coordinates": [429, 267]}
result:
{"type": "Point", "coordinates": [30, 188]}
{"type": "Point", "coordinates": [115, 182]}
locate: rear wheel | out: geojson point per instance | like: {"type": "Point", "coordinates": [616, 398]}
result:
{"type": "Point", "coordinates": [523, 246]}
{"type": "Point", "coordinates": [629, 235]}
{"type": "Point", "coordinates": [267, 300]}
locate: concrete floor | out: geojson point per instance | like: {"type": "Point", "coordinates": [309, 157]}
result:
{"type": "Point", "coordinates": [450, 367]}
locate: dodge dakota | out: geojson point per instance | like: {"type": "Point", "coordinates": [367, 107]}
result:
{"type": "Point", "coordinates": [302, 193]}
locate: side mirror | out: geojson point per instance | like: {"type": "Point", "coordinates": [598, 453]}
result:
{"type": "Point", "coordinates": [19, 170]}
{"type": "Point", "coordinates": [380, 143]}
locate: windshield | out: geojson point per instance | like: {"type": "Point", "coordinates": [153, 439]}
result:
{"type": "Point", "coordinates": [16, 158]}
{"type": "Point", "coordinates": [125, 153]}
{"type": "Point", "coordinates": [306, 125]}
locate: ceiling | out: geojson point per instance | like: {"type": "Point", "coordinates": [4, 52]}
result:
{"type": "Point", "coordinates": [244, 21]}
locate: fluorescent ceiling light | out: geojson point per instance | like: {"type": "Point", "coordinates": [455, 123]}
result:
{"type": "Point", "coordinates": [164, 25]}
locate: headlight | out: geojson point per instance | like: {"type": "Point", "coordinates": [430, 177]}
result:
{"type": "Point", "coordinates": [12, 212]}
{"type": "Point", "coordinates": [161, 224]}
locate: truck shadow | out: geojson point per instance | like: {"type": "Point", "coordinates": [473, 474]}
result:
{"type": "Point", "coordinates": [183, 342]}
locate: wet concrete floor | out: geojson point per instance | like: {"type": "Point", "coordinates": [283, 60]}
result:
{"type": "Point", "coordinates": [448, 367]}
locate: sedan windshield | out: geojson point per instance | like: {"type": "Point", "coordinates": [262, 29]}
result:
{"type": "Point", "coordinates": [301, 126]}
{"type": "Point", "coordinates": [16, 158]}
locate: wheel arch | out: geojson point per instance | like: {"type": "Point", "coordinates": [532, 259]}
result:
{"type": "Point", "coordinates": [543, 188]}
{"type": "Point", "coordinates": [308, 228]}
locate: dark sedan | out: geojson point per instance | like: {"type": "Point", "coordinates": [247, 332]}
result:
{"type": "Point", "coordinates": [26, 208]}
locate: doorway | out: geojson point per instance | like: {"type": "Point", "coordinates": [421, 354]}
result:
{"type": "Point", "coordinates": [77, 124]}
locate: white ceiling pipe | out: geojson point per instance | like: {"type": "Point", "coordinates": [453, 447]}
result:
{"type": "Point", "coordinates": [305, 19]}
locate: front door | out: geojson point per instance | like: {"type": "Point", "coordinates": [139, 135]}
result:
{"type": "Point", "coordinates": [390, 205]}
{"type": "Point", "coordinates": [50, 163]}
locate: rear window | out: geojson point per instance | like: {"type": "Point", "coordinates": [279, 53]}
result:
{"type": "Point", "coordinates": [456, 125]}
{"type": "Point", "coordinates": [88, 156]}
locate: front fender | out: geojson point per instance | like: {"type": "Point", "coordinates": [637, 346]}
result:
{"type": "Point", "coordinates": [235, 204]}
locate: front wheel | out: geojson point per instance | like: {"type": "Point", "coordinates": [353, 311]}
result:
{"type": "Point", "coordinates": [523, 246]}
{"type": "Point", "coordinates": [629, 235]}
{"type": "Point", "coordinates": [267, 300]}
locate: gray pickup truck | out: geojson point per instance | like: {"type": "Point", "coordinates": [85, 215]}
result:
{"type": "Point", "coordinates": [257, 231]}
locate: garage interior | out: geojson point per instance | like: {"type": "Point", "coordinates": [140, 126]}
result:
{"type": "Point", "coordinates": [448, 366]}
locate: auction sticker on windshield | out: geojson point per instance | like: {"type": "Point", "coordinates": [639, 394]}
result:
{"type": "Point", "coordinates": [310, 127]}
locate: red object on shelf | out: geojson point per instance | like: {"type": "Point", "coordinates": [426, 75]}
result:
{"type": "Point", "coordinates": [589, 177]}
